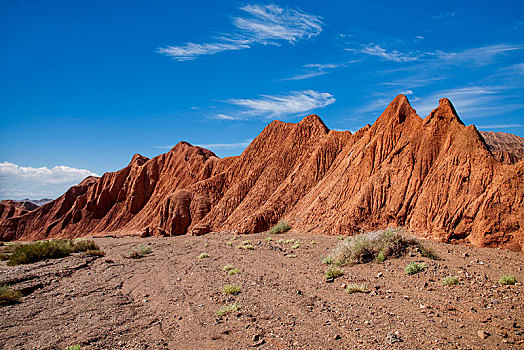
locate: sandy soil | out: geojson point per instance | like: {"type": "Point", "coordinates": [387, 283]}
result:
{"type": "Point", "coordinates": [167, 299]}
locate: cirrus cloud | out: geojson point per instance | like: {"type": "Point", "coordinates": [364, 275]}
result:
{"type": "Point", "coordinates": [261, 24]}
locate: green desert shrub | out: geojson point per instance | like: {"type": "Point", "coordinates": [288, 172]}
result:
{"type": "Point", "coordinates": [327, 260]}
{"type": "Point", "coordinates": [142, 251]}
{"type": "Point", "coordinates": [227, 267]}
{"type": "Point", "coordinates": [245, 245]}
{"type": "Point", "coordinates": [507, 279]}
{"type": "Point", "coordinates": [231, 289]}
{"type": "Point", "coordinates": [333, 272]}
{"type": "Point", "coordinates": [8, 295]}
{"type": "Point", "coordinates": [203, 256]}
{"type": "Point", "coordinates": [280, 227]}
{"type": "Point", "coordinates": [226, 309]}
{"type": "Point", "coordinates": [450, 281]}
{"type": "Point", "coordinates": [413, 268]}
{"type": "Point", "coordinates": [234, 271]}
{"type": "Point", "coordinates": [52, 249]}
{"type": "Point", "coordinates": [96, 252]}
{"type": "Point", "coordinates": [357, 288]}
{"type": "Point", "coordinates": [74, 347]}
{"type": "Point", "coordinates": [268, 239]}
{"type": "Point", "coordinates": [378, 245]}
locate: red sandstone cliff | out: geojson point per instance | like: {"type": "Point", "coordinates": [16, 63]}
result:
{"type": "Point", "coordinates": [435, 176]}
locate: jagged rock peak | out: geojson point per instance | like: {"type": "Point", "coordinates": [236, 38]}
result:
{"type": "Point", "coordinates": [397, 111]}
{"type": "Point", "coordinates": [138, 159]}
{"type": "Point", "coordinates": [444, 112]}
{"type": "Point", "coordinates": [314, 121]}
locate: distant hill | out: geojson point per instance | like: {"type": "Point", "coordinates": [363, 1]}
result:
{"type": "Point", "coordinates": [38, 202]}
{"type": "Point", "coordinates": [435, 176]}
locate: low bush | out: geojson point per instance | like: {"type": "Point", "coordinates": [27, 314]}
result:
{"type": "Point", "coordinates": [53, 249]}
{"type": "Point", "coordinates": [142, 251]}
{"type": "Point", "coordinates": [413, 268]}
{"type": "Point", "coordinates": [450, 281]}
{"type": "Point", "coordinates": [234, 271]}
{"type": "Point", "coordinates": [8, 295]}
{"type": "Point", "coordinates": [231, 289]}
{"type": "Point", "coordinates": [327, 260]}
{"type": "Point", "coordinates": [280, 227]}
{"type": "Point", "coordinates": [96, 252]}
{"type": "Point", "coordinates": [333, 272]}
{"type": "Point", "coordinates": [227, 267]}
{"type": "Point", "coordinates": [378, 246]}
{"type": "Point", "coordinates": [226, 309]}
{"type": "Point", "coordinates": [507, 279]}
{"type": "Point", "coordinates": [203, 256]}
{"type": "Point", "coordinates": [74, 347]}
{"type": "Point", "coordinates": [245, 245]}
{"type": "Point", "coordinates": [357, 288]}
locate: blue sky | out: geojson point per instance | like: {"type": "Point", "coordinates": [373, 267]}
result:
{"type": "Point", "coordinates": [88, 84]}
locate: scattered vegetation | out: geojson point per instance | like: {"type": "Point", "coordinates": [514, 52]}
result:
{"type": "Point", "coordinates": [313, 242]}
{"type": "Point", "coordinates": [234, 271]}
{"type": "Point", "coordinates": [280, 241]}
{"type": "Point", "coordinates": [357, 288]}
{"type": "Point", "coordinates": [507, 279]}
{"type": "Point", "coordinates": [413, 268]}
{"type": "Point", "coordinates": [269, 239]}
{"type": "Point", "coordinates": [291, 240]}
{"type": "Point", "coordinates": [327, 260]}
{"type": "Point", "coordinates": [280, 227]}
{"type": "Point", "coordinates": [378, 246]}
{"type": "Point", "coordinates": [142, 251]}
{"type": "Point", "coordinates": [53, 249]}
{"type": "Point", "coordinates": [206, 245]}
{"type": "Point", "coordinates": [296, 246]}
{"type": "Point", "coordinates": [74, 347]}
{"type": "Point", "coordinates": [8, 295]}
{"type": "Point", "coordinates": [226, 309]}
{"type": "Point", "coordinates": [96, 252]}
{"type": "Point", "coordinates": [229, 243]}
{"type": "Point", "coordinates": [203, 256]}
{"type": "Point", "coordinates": [231, 289]}
{"type": "Point", "coordinates": [246, 245]}
{"type": "Point", "coordinates": [227, 267]}
{"type": "Point", "coordinates": [291, 255]}
{"type": "Point", "coordinates": [333, 272]}
{"type": "Point", "coordinates": [450, 281]}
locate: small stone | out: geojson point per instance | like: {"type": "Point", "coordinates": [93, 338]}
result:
{"type": "Point", "coordinates": [393, 337]}
{"type": "Point", "coordinates": [483, 334]}
{"type": "Point", "coordinates": [337, 337]}
{"type": "Point", "coordinates": [256, 337]}
{"type": "Point", "coordinates": [380, 274]}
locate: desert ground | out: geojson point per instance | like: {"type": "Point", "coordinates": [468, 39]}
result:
{"type": "Point", "coordinates": [168, 298]}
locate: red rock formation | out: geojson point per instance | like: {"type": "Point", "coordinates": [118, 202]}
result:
{"type": "Point", "coordinates": [10, 208]}
{"type": "Point", "coordinates": [507, 148]}
{"type": "Point", "coordinates": [435, 176]}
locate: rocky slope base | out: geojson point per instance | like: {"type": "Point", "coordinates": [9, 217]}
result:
{"type": "Point", "coordinates": [435, 176]}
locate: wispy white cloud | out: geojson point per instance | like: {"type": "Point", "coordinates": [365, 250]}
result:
{"type": "Point", "coordinates": [261, 24]}
{"type": "Point", "coordinates": [394, 55]}
{"type": "Point", "coordinates": [443, 15]}
{"type": "Point", "coordinates": [19, 181]}
{"type": "Point", "coordinates": [212, 146]}
{"type": "Point", "coordinates": [221, 116]}
{"type": "Point", "coordinates": [471, 101]}
{"type": "Point", "coordinates": [500, 126]}
{"type": "Point", "coordinates": [316, 69]}
{"type": "Point", "coordinates": [479, 56]}
{"type": "Point", "coordinates": [294, 103]}
{"type": "Point", "coordinates": [190, 51]}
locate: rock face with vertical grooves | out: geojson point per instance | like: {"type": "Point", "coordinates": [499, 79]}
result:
{"type": "Point", "coordinates": [436, 176]}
